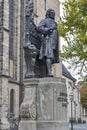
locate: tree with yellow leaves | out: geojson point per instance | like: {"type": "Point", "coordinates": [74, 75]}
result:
{"type": "Point", "coordinates": [83, 93]}
{"type": "Point", "coordinates": [73, 28]}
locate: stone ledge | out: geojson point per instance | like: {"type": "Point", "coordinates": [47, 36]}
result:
{"type": "Point", "coordinates": [45, 79]}
{"type": "Point", "coordinates": [11, 80]}
{"type": "Point", "coordinates": [3, 75]}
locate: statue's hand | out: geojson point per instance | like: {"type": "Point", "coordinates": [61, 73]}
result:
{"type": "Point", "coordinates": [47, 30]}
{"type": "Point", "coordinates": [51, 30]}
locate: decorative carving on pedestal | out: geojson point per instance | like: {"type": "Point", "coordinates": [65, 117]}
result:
{"type": "Point", "coordinates": [28, 110]}
{"type": "Point", "coordinates": [30, 57]}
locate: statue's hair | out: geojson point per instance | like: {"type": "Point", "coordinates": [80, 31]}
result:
{"type": "Point", "coordinates": [48, 12]}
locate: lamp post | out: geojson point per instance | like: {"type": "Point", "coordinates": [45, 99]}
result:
{"type": "Point", "coordinates": [71, 99]}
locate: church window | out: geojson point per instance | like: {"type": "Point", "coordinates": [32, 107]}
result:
{"type": "Point", "coordinates": [45, 4]}
{"type": "Point", "coordinates": [11, 28]}
{"type": "Point", "coordinates": [12, 94]}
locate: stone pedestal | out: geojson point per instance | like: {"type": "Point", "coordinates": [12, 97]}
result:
{"type": "Point", "coordinates": [27, 125]}
{"type": "Point", "coordinates": [45, 105]}
{"type": "Point", "coordinates": [4, 124]}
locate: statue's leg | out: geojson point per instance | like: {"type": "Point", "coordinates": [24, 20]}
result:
{"type": "Point", "coordinates": [48, 65]}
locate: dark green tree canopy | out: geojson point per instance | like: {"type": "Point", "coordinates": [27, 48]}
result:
{"type": "Point", "coordinates": [73, 28]}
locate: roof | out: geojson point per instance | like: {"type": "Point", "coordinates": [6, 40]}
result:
{"type": "Point", "coordinates": [66, 73]}
{"type": "Point", "coordinates": [78, 86]}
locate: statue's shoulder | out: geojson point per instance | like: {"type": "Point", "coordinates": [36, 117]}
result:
{"type": "Point", "coordinates": [43, 21]}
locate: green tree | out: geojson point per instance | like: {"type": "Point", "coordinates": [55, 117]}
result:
{"type": "Point", "coordinates": [83, 93]}
{"type": "Point", "coordinates": [73, 28]}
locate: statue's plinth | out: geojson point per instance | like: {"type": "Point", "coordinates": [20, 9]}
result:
{"type": "Point", "coordinates": [45, 105]}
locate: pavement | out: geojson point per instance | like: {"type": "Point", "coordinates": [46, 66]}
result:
{"type": "Point", "coordinates": [79, 126]}
{"type": "Point", "coordinates": [84, 118]}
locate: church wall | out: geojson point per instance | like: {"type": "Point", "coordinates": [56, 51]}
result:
{"type": "Point", "coordinates": [9, 71]}
{"type": "Point", "coordinates": [41, 7]}
{"type": "Point", "coordinates": [6, 39]}
{"type": "Point", "coordinates": [15, 88]}
{"type": "Point", "coordinates": [1, 35]}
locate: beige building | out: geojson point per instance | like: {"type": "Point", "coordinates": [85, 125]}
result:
{"type": "Point", "coordinates": [11, 52]}
{"type": "Point", "coordinates": [73, 95]}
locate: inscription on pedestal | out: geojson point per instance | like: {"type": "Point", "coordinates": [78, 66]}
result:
{"type": "Point", "coordinates": [63, 99]}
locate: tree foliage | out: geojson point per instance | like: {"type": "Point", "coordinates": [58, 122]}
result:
{"type": "Point", "coordinates": [83, 92]}
{"type": "Point", "coordinates": [73, 28]}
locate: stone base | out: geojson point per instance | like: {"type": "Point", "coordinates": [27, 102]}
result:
{"type": "Point", "coordinates": [45, 103]}
{"type": "Point", "coordinates": [43, 125]}
{"type": "Point", "coordinates": [52, 125]}
{"type": "Point", "coordinates": [27, 125]}
{"type": "Point", "coordinates": [4, 124]}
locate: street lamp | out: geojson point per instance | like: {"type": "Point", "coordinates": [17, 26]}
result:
{"type": "Point", "coordinates": [71, 99]}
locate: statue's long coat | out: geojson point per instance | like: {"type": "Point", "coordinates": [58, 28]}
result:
{"type": "Point", "coordinates": [49, 45]}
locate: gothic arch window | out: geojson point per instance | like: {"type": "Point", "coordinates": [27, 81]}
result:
{"type": "Point", "coordinates": [12, 96]}
{"type": "Point", "coordinates": [13, 37]}
{"type": "Point", "coordinates": [11, 29]}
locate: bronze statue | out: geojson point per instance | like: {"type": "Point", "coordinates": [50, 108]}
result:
{"type": "Point", "coordinates": [32, 43]}
{"type": "Point", "coordinates": [49, 45]}
{"type": "Point", "coordinates": [41, 45]}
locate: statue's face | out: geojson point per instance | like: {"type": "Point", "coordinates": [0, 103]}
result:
{"type": "Point", "coordinates": [52, 14]}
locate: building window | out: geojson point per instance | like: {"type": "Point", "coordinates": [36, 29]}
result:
{"type": "Point", "coordinates": [45, 4]}
{"type": "Point", "coordinates": [12, 94]}
{"type": "Point", "coordinates": [11, 29]}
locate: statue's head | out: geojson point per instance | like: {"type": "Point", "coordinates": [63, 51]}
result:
{"type": "Point", "coordinates": [50, 14]}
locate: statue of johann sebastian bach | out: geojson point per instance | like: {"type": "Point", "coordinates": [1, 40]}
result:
{"type": "Point", "coordinates": [41, 48]}
{"type": "Point", "coordinates": [49, 45]}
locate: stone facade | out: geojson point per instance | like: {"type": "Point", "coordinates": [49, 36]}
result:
{"type": "Point", "coordinates": [1, 33]}
{"type": "Point", "coordinates": [40, 8]}
{"type": "Point", "coordinates": [9, 69]}
{"type": "Point", "coordinates": [11, 74]}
